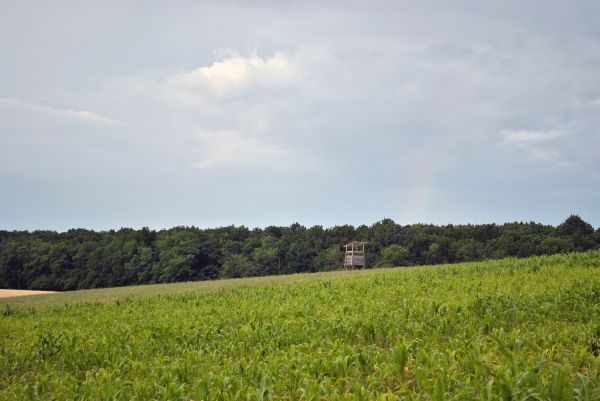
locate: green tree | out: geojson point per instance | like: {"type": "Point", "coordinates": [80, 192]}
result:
{"type": "Point", "coordinates": [329, 259]}
{"type": "Point", "coordinates": [556, 245]}
{"type": "Point", "coordinates": [467, 250]}
{"type": "Point", "coordinates": [434, 253]}
{"type": "Point", "coordinates": [394, 255]}
{"type": "Point", "coordinates": [574, 225]}
{"type": "Point", "coordinates": [236, 266]}
{"type": "Point", "coordinates": [580, 232]}
{"type": "Point", "coordinates": [266, 256]}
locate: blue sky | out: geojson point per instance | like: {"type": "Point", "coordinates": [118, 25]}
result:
{"type": "Point", "coordinates": [129, 114]}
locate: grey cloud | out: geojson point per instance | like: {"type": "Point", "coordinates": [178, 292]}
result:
{"type": "Point", "coordinates": [258, 114]}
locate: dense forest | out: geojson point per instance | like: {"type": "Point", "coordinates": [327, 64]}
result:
{"type": "Point", "coordinates": [79, 259]}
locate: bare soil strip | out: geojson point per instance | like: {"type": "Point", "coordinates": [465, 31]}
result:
{"type": "Point", "coordinates": [20, 293]}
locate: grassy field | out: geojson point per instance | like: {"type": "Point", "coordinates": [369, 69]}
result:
{"type": "Point", "coordinates": [103, 295]}
{"type": "Point", "coordinates": [511, 329]}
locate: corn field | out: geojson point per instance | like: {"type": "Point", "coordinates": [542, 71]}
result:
{"type": "Point", "coordinates": [512, 329]}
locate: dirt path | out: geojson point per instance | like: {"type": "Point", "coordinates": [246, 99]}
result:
{"type": "Point", "coordinates": [20, 293]}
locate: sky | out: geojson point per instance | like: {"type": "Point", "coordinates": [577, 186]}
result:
{"type": "Point", "coordinates": [151, 113]}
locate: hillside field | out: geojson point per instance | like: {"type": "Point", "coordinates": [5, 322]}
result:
{"type": "Point", "coordinates": [4, 293]}
{"type": "Point", "coordinates": [510, 329]}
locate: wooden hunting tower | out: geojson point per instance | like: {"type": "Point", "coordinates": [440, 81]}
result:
{"type": "Point", "coordinates": [355, 255]}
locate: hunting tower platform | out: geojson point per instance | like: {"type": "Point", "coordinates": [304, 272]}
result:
{"type": "Point", "coordinates": [355, 255]}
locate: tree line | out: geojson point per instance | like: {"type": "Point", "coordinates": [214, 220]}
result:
{"type": "Point", "coordinates": [79, 258]}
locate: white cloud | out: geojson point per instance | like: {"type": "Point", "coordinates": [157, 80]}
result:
{"type": "Point", "coordinates": [94, 117]}
{"type": "Point", "coordinates": [529, 141]}
{"type": "Point", "coordinates": [237, 73]}
{"type": "Point", "coordinates": [232, 150]}
{"type": "Point", "coordinates": [81, 115]}
{"type": "Point", "coordinates": [530, 136]}
{"type": "Point", "coordinates": [228, 78]}
{"type": "Point", "coordinates": [545, 155]}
